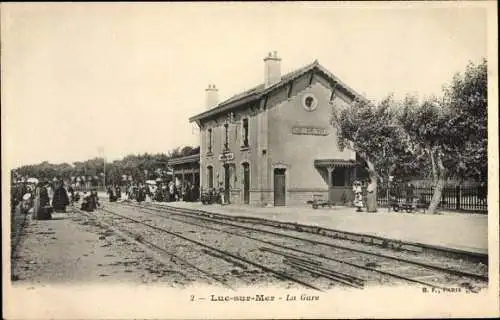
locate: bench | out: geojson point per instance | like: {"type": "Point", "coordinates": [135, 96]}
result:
{"type": "Point", "coordinates": [409, 207]}
{"type": "Point", "coordinates": [319, 201]}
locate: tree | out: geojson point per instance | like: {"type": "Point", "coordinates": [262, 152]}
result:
{"type": "Point", "coordinates": [426, 126]}
{"type": "Point", "coordinates": [175, 153]}
{"type": "Point", "coordinates": [371, 132]}
{"type": "Point", "coordinates": [451, 132]}
{"type": "Point", "coordinates": [466, 98]}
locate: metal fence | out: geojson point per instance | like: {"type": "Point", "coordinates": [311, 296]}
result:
{"type": "Point", "coordinates": [459, 198]}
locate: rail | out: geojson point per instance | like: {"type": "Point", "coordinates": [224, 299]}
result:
{"type": "Point", "coordinates": [322, 256]}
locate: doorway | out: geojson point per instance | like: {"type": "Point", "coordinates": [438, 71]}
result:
{"type": "Point", "coordinates": [227, 185]}
{"type": "Point", "coordinates": [279, 187]}
{"type": "Point", "coordinates": [246, 183]}
{"type": "Point", "coordinates": [210, 177]}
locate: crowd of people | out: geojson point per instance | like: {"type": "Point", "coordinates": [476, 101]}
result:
{"type": "Point", "coordinates": [161, 192]}
{"type": "Point", "coordinates": [38, 195]}
{"type": "Point", "coordinates": [44, 197]}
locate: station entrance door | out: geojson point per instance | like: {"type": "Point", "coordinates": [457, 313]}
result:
{"type": "Point", "coordinates": [279, 187]}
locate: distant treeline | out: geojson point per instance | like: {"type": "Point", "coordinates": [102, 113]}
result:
{"type": "Point", "coordinates": [139, 167]}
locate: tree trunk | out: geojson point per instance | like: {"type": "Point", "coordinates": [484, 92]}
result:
{"type": "Point", "coordinates": [371, 202]}
{"type": "Point", "coordinates": [439, 179]}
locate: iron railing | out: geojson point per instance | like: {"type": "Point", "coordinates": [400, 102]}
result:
{"type": "Point", "coordinates": [459, 198]}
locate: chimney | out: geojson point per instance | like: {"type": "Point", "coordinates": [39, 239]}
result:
{"type": "Point", "coordinates": [272, 69]}
{"type": "Point", "coordinates": [211, 96]}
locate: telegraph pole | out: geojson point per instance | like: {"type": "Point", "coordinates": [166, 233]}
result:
{"type": "Point", "coordinates": [101, 152]}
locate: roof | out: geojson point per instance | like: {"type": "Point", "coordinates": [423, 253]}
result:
{"type": "Point", "coordinates": [259, 91]}
{"type": "Point", "coordinates": [186, 159]}
{"type": "Point", "coordinates": [334, 163]}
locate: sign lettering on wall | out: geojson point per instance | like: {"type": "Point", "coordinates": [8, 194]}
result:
{"type": "Point", "coordinates": [226, 156]}
{"type": "Point", "coordinates": [313, 131]}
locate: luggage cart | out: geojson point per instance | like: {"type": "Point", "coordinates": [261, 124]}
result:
{"type": "Point", "coordinates": [319, 201]}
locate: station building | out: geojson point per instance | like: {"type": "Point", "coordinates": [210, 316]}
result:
{"type": "Point", "coordinates": [274, 144]}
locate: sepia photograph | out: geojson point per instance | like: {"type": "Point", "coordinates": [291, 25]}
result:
{"type": "Point", "coordinates": [249, 160]}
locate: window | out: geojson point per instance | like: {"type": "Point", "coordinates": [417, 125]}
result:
{"type": "Point", "coordinates": [209, 150]}
{"type": "Point", "coordinates": [309, 102]}
{"type": "Point", "coordinates": [210, 176]}
{"type": "Point", "coordinates": [244, 133]}
{"type": "Point", "coordinates": [226, 135]}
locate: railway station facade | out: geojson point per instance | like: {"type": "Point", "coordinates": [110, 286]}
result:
{"type": "Point", "coordinates": [274, 144]}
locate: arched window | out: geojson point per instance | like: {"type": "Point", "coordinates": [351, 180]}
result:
{"type": "Point", "coordinates": [210, 176]}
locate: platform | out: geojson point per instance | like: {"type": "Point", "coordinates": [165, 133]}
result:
{"type": "Point", "coordinates": [69, 249]}
{"type": "Point", "coordinates": [459, 231]}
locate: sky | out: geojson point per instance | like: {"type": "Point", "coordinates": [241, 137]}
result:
{"type": "Point", "coordinates": [125, 77]}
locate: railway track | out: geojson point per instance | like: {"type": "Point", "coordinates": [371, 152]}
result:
{"type": "Point", "coordinates": [213, 253]}
{"type": "Point", "coordinates": [371, 251]}
{"type": "Point", "coordinates": [473, 257]}
{"type": "Point", "coordinates": [157, 252]}
{"type": "Point", "coordinates": [313, 262]}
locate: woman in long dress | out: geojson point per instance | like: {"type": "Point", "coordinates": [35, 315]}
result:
{"type": "Point", "coordinates": [141, 194]}
{"type": "Point", "coordinates": [41, 209]}
{"type": "Point", "coordinates": [61, 199]}
{"type": "Point", "coordinates": [371, 198]}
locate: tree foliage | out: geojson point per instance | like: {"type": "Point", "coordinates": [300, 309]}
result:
{"type": "Point", "coordinates": [466, 99]}
{"type": "Point", "coordinates": [368, 130]}
{"type": "Point", "coordinates": [138, 167]}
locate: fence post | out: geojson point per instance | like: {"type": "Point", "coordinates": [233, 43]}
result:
{"type": "Point", "coordinates": [457, 197]}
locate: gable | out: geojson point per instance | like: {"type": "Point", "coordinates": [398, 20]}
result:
{"type": "Point", "coordinates": [298, 86]}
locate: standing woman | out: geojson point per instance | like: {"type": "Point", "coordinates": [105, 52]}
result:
{"type": "Point", "coordinates": [118, 192]}
{"type": "Point", "coordinates": [60, 200]}
{"type": "Point", "coordinates": [141, 194]}
{"type": "Point", "coordinates": [41, 206]}
{"type": "Point", "coordinates": [36, 202]}
{"type": "Point", "coordinates": [171, 191]}
{"type": "Point", "coordinates": [371, 197]}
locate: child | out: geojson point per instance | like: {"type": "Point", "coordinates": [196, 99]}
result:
{"type": "Point", "coordinates": [358, 195]}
